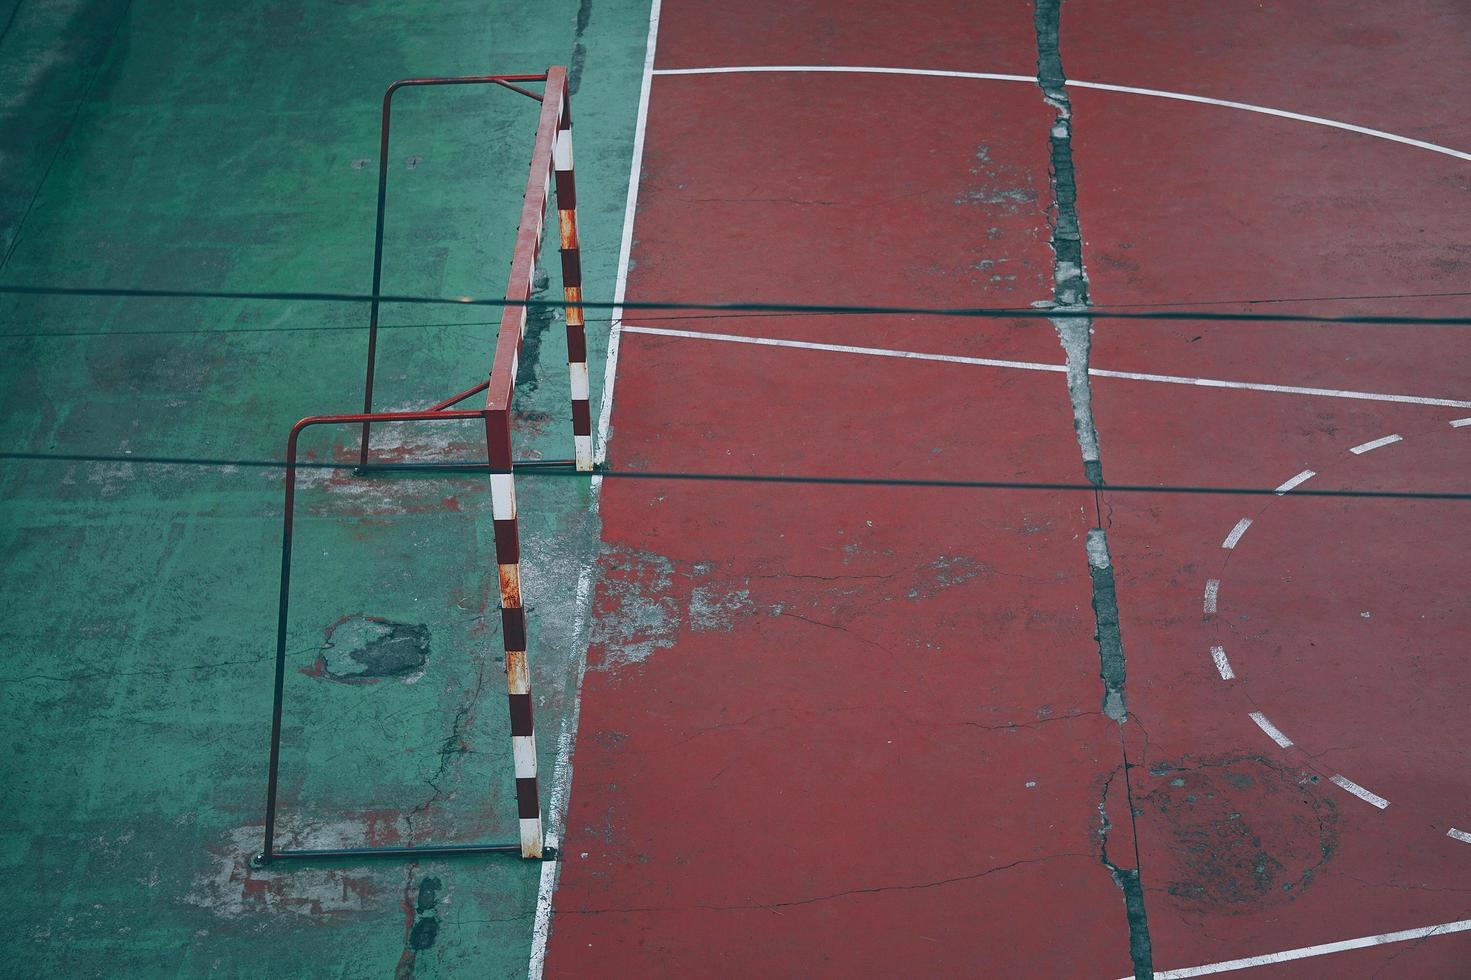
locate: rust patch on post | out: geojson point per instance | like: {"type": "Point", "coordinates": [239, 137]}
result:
{"type": "Point", "coordinates": [510, 586]}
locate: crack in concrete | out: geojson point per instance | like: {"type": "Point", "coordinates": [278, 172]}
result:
{"type": "Point", "coordinates": [1070, 295]}
{"type": "Point", "coordinates": [873, 890]}
{"type": "Point", "coordinates": [1128, 879]}
{"type": "Point", "coordinates": [1017, 726]}
{"type": "Point", "coordinates": [835, 626]}
{"type": "Point", "coordinates": [451, 748]}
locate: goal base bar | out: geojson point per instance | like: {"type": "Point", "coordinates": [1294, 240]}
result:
{"type": "Point", "coordinates": [260, 860]}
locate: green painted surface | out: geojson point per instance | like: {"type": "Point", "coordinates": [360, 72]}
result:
{"type": "Point", "coordinates": [233, 146]}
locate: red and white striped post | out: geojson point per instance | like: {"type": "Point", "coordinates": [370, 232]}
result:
{"type": "Point", "coordinates": [513, 628]}
{"type": "Point", "coordinates": [572, 287]}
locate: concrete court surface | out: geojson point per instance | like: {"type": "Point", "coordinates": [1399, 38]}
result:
{"type": "Point", "coordinates": [826, 728]}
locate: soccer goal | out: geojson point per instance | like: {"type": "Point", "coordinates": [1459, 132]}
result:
{"type": "Point", "coordinates": [551, 168]}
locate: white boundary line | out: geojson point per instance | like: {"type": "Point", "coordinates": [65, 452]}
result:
{"type": "Point", "coordinates": [1099, 86]}
{"type": "Point", "coordinates": [561, 791]}
{"type": "Point", "coordinates": [625, 247]}
{"type": "Point", "coordinates": [1303, 952]}
{"type": "Point", "coordinates": [849, 70]}
{"type": "Point", "coordinates": [1038, 366]}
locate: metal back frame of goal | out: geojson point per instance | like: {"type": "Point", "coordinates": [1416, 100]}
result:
{"type": "Point", "coordinates": [551, 166]}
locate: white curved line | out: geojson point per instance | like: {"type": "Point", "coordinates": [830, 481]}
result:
{"type": "Point", "coordinates": [1074, 83]}
{"type": "Point", "coordinates": [1280, 113]}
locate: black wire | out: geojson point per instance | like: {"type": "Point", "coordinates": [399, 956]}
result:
{"type": "Point", "coordinates": [1014, 313]}
{"type": "Point", "coordinates": [339, 328]}
{"type": "Point", "coordinates": [777, 478]}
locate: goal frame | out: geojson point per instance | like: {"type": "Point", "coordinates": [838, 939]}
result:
{"type": "Point", "coordinates": [551, 168]}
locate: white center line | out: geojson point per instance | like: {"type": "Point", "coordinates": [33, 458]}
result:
{"type": "Point", "coordinates": [1273, 732]}
{"type": "Point", "coordinates": [1302, 477]}
{"type": "Point", "coordinates": [992, 362]}
{"type": "Point", "coordinates": [1359, 450]}
{"type": "Point", "coordinates": [847, 70]}
{"type": "Point", "coordinates": [1304, 952]}
{"type": "Point", "coordinates": [1218, 654]}
{"type": "Point", "coordinates": [1344, 782]}
{"type": "Point", "coordinates": [1236, 533]}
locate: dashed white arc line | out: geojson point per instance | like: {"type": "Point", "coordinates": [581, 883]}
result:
{"type": "Point", "coordinates": [1212, 593]}
{"type": "Point", "coordinates": [1348, 785]}
{"type": "Point", "coordinates": [1223, 666]}
{"type": "Point", "coordinates": [1460, 423]}
{"type": "Point", "coordinates": [1273, 732]}
{"type": "Point", "coordinates": [1374, 444]}
{"type": "Point", "coordinates": [1459, 835]}
{"type": "Point", "coordinates": [1323, 949]}
{"type": "Point", "coordinates": [1301, 478]}
{"type": "Point", "coordinates": [1236, 533]}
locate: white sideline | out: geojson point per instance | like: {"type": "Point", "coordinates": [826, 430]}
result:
{"type": "Point", "coordinates": [1054, 368]}
{"type": "Point", "coordinates": [1303, 952]}
{"type": "Point", "coordinates": [561, 789]}
{"type": "Point", "coordinates": [1074, 83]}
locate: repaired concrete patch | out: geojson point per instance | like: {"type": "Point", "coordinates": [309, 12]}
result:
{"type": "Point", "coordinates": [363, 649]}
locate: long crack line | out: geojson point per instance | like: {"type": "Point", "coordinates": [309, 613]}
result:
{"type": "Point", "coordinates": [1075, 332]}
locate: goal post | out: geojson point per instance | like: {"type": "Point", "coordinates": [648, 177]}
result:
{"type": "Point", "coordinates": [551, 169]}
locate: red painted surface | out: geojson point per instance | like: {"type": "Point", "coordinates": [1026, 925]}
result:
{"type": "Point", "coordinates": [1193, 204]}
{"type": "Point", "coordinates": [821, 762]}
{"type": "Point", "coordinates": [948, 34]}
{"type": "Point", "coordinates": [1379, 699]}
{"type": "Point", "coordinates": [1198, 203]}
{"type": "Point", "coordinates": [794, 216]}
{"type": "Point", "coordinates": [812, 713]}
{"type": "Point", "coordinates": [1385, 66]}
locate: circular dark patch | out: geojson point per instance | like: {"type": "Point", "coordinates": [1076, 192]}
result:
{"type": "Point", "coordinates": [1247, 834]}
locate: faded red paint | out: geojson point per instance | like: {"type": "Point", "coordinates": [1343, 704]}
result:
{"type": "Point", "coordinates": [739, 798]}
{"type": "Point", "coordinates": [1197, 203]}
{"type": "Point", "coordinates": [829, 773]}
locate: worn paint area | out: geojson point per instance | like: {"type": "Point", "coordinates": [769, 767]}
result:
{"type": "Point", "coordinates": [231, 890]}
{"type": "Point", "coordinates": [361, 649]}
{"type": "Point", "coordinates": [1248, 834]}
